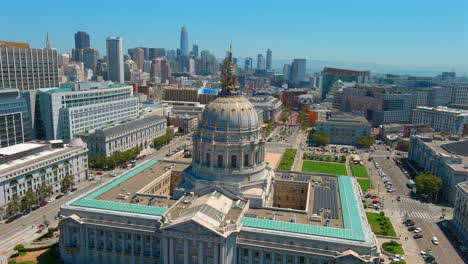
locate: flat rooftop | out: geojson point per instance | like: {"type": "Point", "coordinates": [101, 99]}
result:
{"type": "Point", "coordinates": [19, 148]}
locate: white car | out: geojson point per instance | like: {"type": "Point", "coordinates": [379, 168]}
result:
{"type": "Point", "coordinates": [422, 252]}
{"type": "Point", "coordinates": [435, 241]}
{"type": "Point", "coordinates": [418, 230]}
{"type": "Point", "coordinates": [51, 200]}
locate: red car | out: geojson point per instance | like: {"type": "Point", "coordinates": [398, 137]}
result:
{"type": "Point", "coordinates": [373, 197]}
{"type": "Point", "coordinates": [142, 157]}
{"type": "Point", "coordinates": [100, 173]}
{"type": "Point", "coordinates": [375, 202]}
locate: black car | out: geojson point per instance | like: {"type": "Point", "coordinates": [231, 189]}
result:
{"type": "Point", "coordinates": [417, 236]}
{"type": "Point", "coordinates": [59, 196]}
{"type": "Point", "coordinates": [27, 211]}
{"type": "Point", "coordinates": [74, 189]}
{"type": "Point", "coordinates": [410, 223]}
{"type": "Point", "coordinates": [34, 208]}
{"type": "Point", "coordinates": [411, 228]}
{"type": "Point", "coordinates": [11, 219]}
{"type": "Point", "coordinates": [43, 203]}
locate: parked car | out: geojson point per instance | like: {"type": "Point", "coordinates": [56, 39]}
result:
{"type": "Point", "coordinates": [59, 196]}
{"type": "Point", "coordinates": [398, 198]}
{"type": "Point", "coordinates": [417, 236]}
{"type": "Point", "coordinates": [375, 202]}
{"type": "Point", "coordinates": [409, 223]}
{"type": "Point", "coordinates": [373, 197]}
{"type": "Point", "coordinates": [100, 173]}
{"type": "Point", "coordinates": [34, 208]}
{"type": "Point", "coordinates": [411, 228]}
{"type": "Point", "coordinates": [435, 240]}
{"type": "Point", "coordinates": [43, 203]}
{"type": "Point", "coordinates": [418, 230]}
{"type": "Point", "coordinates": [464, 249]}
{"type": "Point", "coordinates": [27, 211]}
{"type": "Point", "coordinates": [51, 200]}
{"type": "Point", "coordinates": [74, 189]}
{"type": "Point", "coordinates": [11, 219]}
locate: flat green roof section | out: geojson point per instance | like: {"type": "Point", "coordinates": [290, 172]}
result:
{"type": "Point", "coordinates": [90, 202]}
{"type": "Point", "coordinates": [121, 207]}
{"type": "Point", "coordinates": [351, 219]}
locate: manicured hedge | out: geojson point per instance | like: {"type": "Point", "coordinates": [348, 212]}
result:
{"type": "Point", "coordinates": [288, 159]}
{"type": "Point", "coordinates": [21, 248]}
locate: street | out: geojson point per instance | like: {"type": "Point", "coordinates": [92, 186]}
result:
{"type": "Point", "coordinates": [425, 215]}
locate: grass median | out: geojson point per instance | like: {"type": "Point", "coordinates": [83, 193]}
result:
{"type": "Point", "coordinates": [324, 167]}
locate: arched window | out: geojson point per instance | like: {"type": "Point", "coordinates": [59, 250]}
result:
{"type": "Point", "coordinates": [29, 181]}
{"type": "Point", "coordinates": [14, 187]}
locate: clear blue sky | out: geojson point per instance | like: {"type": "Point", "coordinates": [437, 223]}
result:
{"type": "Point", "coordinates": [394, 32]}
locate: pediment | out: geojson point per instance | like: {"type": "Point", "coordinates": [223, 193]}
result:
{"type": "Point", "coordinates": [191, 226]}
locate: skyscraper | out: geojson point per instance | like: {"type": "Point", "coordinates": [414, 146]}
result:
{"type": "Point", "coordinates": [287, 71]}
{"type": "Point", "coordinates": [298, 71]}
{"type": "Point", "coordinates": [156, 53]}
{"type": "Point", "coordinates": [138, 56]}
{"type": "Point", "coordinates": [115, 67]}
{"type": "Point", "coordinates": [81, 40]}
{"type": "Point", "coordinates": [268, 59]}
{"type": "Point", "coordinates": [248, 64]}
{"type": "Point", "coordinates": [184, 46]}
{"type": "Point", "coordinates": [90, 57]}
{"type": "Point", "coordinates": [195, 50]}
{"type": "Point", "coordinates": [171, 54]}
{"type": "Point", "coordinates": [260, 62]}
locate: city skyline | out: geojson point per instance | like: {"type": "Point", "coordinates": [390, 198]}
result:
{"type": "Point", "coordinates": [378, 39]}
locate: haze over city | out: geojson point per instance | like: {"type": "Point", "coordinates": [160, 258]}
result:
{"type": "Point", "coordinates": [397, 36]}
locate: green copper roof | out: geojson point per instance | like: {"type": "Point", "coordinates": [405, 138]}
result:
{"type": "Point", "coordinates": [89, 201]}
{"type": "Point", "coordinates": [351, 219]}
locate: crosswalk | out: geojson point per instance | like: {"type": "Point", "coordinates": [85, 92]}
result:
{"type": "Point", "coordinates": [421, 215]}
{"type": "Point", "coordinates": [409, 200]}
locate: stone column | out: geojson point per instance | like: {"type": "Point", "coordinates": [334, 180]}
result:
{"type": "Point", "coordinates": [114, 241]}
{"type": "Point", "coordinates": [133, 243]}
{"type": "Point", "coordinates": [201, 253]}
{"type": "Point", "coordinates": [216, 253]}
{"type": "Point", "coordinates": [151, 246]}
{"type": "Point", "coordinates": [171, 250]}
{"type": "Point", "coordinates": [123, 243]}
{"type": "Point", "coordinates": [241, 255]}
{"type": "Point", "coordinates": [241, 158]}
{"type": "Point", "coordinates": [95, 238]}
{"type": "Point", "coordinates": [186, 252]}
{"type": "Point", "coordinates": [261, 256]}
{"type": "Point", "coordinates": [296, 259]}
{"type": "Point", "coordinates": [222, 253]}
{"type": "Point", "coordinates": [250, 256]}
{"type": "Point", "coordinates": [285, 258]}
{"type": "Point", "coordinates": [165, 250]}
{"type": "Point", "coordinates": [273, 257]}
{"type": "Point", "coordinates": [226, 158]}
{"type": "Point", "coordinates": [104, 237]}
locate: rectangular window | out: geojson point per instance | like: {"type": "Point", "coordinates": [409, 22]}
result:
{"type": "Point", "coordinates": [220, 161]}
{"type": "Point", "coordinates": [208, 159]}
{"type": "Point", "coordinates": [246, 160]}
{"type": "Point", "coordinates": [233, 161]}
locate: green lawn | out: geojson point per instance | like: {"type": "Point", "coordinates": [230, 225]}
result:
{"type": "Point", "coordinates": [380, 225]}
{"type": "Point", "coordinates": [324, 167]}
{"type": "Point", "coordinates": [365, 184]}
{"type": "Point", "coordinates": [393, 248]}
{"type": "Point", "coordinates": [288, 159]}
{"type": "Point", "coordinates": [359, 171]}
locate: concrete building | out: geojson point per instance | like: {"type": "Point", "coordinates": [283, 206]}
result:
{"type": "Point", "coordinates": [185, 122]}
{"type": "Point", "coordinates": [90, 58]}
{"type": "Point", "coordinates": [122, 137]}
{"type": "Point", "coordinates": [460, 94]}
{"type": "Point", "coordinates": [442, 119]}
{"type": "Point", "coordinates": [15, 118]}
{"type": "Point", "coordinates": [155, 53]}
{"type": "Point", "coordinates": [28, 165]}
{"type": "Point", "coordinates": [184, 42]}
{"type": "Point", "coordinates": [27, 69]}
{"type": "Point", "coordinates": [271, 106]}
{"type": "Point", "coordinates": [225, 207]}
{"type": "Point", "coordinates": [291, 97]}
{"type": "Point", "coordinates": [298, 70]}
{"type": "Point", "coordinates": [115, 61]}
{"type": "Point", "coordinates": [138, 56]}
{"type": "Point", "coordinates": [344, 129]}
{"type": "Point", "coordinates": [444, 157]}
{"type": "Point", "coordinates": [180, 94]}
{"type": "Point", "coordinates": [460, 212]}
{"type": "Point", "coordinates": [269, 58]}
{"type": "Point", "coordinates": [396, 108]}
{"type": "Point", "coordinates": [82, 40]}
{"type": "Point", "coordinates": [331, 75]}
{"type": "Point", "coordinates": [161, 68]}
{"type": "Point", "coordinates": [261, 64]}
{"type": "Point", "coordinates": [62, 113]}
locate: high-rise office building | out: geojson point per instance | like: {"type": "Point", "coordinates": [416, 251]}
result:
{"type": "Point", "coordinates": [156, 53]}
{"type": "Point", "coordinates": [298, 71]}
{"type": "Point", "coordinates": [81, 40]}
{"type": "Point", "coordinates": [161, 68]}
{"type": "Point", "coordinates": [171, 54]}
{"type": "Point", "coordinates": [184, 44]}
{"type": "Point", "coordinates": [115, 67]}
{"type": "Point", "coordinates": [138, 56]}
{"type": "Point", "coordinates": [269, 55]}
{"type": "Point", "coordinates": [261, 62]}
{"type": "Point", "coordinates": [15, 120]}
{"type": "Point", "coordinates": [77, 55]}
{"type": "Point", "coordinates": [248, 64]}
{"type": "Point", "coordinates": [90, 58]}
{"type": "Point", "coordinates": [195, 50]}
{"type": "Point", "coordinates": [287, 71]}
{"type": "Point", "coordinates": [27, 69]}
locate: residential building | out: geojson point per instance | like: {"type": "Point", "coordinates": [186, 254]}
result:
{"type": "Point", "coordinates": [298, 70]}
{"type": "Point", "coordinates": [184, 42]}
{"type": "Point", "coordinates": [331, 75]}
{"type": "Point", "coordinates": [27, 69]}
{"type": "Point", "coordinates": [460, 210]}
{"type": "Point", "coordinates": [344, 129]}
{"type": "Point", "coordinates": [443, 119]}
{"type": "Point", "coordinates": [291, 97]}
{"type": "Point", "coordinates": [271, 106]}
{"type": "Point", "coordinates": [444, 157]}
{"type": "Point", "coordinates": [82, 40]}
{"type": "Point", "coordinates": [122, 137]}
{"type": "Point", "coordinates": [115, 61]}
{"type": "Point", "coordinates": [227, 206]}
{"type": "Point", "coordinates": [62, 113]}
{"type": "Point", "coordinates": [184, 122]}
{"type": "Point", "coordinates": [28, 165]}
{"type": "Point", "coordinates": [269, 56]}
{"type": "Point", "coordinates": [15, 118]}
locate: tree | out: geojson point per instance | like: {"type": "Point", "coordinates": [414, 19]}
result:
{"type": "Point", "coordinates": [285, 114]}
{"type": "Point", "coordinates": [427, 183]}
{"type": "Point", "coordinates": [67, 182]}
{"type": "Point", "coordinates": [303, 118]}
{"type": "Point", "coordinates": [321, 138]}
{"type": "Point", "coordinates": [366, 141]}
{"type": "Point", "coordinates": [43, 191]}
{"type": "Point", "coordinates": [29, 199]}
{"type": "Point", "coordinates": [14, 205]}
